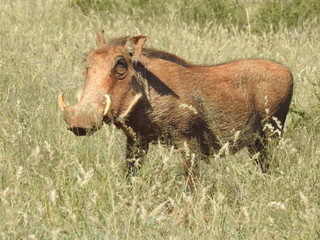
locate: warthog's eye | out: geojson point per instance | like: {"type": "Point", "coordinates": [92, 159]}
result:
{"type": "Point", "coordinates": [120, 68]}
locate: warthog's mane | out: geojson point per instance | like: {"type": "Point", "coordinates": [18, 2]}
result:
{"type": "Point", "coordinates": [152, 53]}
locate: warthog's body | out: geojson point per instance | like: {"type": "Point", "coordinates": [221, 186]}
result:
{"type": "Point", "coordinates": [156, 95]}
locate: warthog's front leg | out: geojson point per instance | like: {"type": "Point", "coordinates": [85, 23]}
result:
{"type": "Point", "coordinates": [136, 150]}
{"type": "Point", "coordinates": [191, 166]}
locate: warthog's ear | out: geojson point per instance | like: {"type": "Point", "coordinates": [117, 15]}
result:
{"type": "Point", "coordinates": [134, 45]}
{"type": "Point", "coordinates": [101, 41]}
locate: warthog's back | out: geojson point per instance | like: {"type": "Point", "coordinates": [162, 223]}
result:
{"type": "Point", "coordinates": [260, 84]}
{"type": "Point", "coordinates": [226, 98]}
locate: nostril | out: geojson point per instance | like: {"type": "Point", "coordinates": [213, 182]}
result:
{"type": "Point", "coordinates": [79, 131]}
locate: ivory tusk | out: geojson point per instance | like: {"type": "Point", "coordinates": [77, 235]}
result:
{"type": "Point", "coordinates": [108, 104]}
{"type": "Point", "coordinates": [62, 104]}
{"type": "Point", "coordinates": [132, 104]}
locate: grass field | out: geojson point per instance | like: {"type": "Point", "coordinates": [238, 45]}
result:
{"type": "Point", "coordinates": [54, 185]}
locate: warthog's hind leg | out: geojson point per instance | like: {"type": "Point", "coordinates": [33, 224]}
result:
{"type": "Point", "coordinates": [260, 147]}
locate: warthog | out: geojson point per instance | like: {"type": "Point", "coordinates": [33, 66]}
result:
{"type": "Point", "coordinates": [154, 95]}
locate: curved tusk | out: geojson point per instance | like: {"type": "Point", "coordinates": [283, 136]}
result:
{"type": "Point", "coordinates": [131, 106]}
{"type": "Point", "coordinates": [108, 104]}
{"type": "Point", "coordinates": [62, 104]}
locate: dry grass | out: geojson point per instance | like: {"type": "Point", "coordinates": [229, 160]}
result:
{"type": "Point", "coordinates": [54, 185]}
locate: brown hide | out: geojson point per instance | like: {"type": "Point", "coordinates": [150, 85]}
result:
{"type": "Point", "coordinates": [158, 96]}
{"type": "Point", "coordinates": [219, 100]}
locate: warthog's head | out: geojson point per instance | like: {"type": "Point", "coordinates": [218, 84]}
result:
{"type": "Point", "coordinates": [108, 93]}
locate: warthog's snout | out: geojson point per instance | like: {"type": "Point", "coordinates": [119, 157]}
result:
{"type": "Point", "coordinates": [84, 118]}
